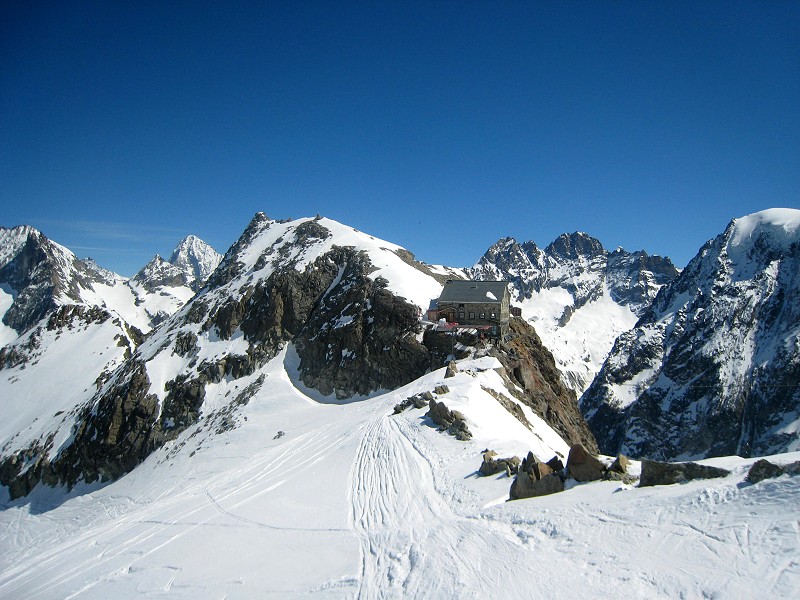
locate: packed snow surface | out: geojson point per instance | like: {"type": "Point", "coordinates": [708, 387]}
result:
{"type": "Point", "coordinates": [345, 501]}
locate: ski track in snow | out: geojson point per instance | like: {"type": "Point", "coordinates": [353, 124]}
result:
{"type": "Point", "coordinates": [412, 542]}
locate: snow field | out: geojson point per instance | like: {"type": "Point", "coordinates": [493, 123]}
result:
{"type": "Point", "coordinates": [354, 503]}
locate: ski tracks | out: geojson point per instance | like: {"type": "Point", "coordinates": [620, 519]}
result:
{"type": "Point", "coordinates": [412, 543]}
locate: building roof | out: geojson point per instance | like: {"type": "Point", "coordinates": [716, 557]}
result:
{"type": "Point", "coordinates": [473, 291]}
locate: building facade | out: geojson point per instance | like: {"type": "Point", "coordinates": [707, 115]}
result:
{"type": "Point", "coordinates": [478, 303]}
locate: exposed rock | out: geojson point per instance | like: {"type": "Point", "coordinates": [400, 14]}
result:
{"type": "Point", "coordinates": [451, 370]}
{"type": "Point", "coordinates": [661, 473]}
{"type": "Point", "coordinates": [451, 421]}
{"type": "Point", "coordinates": [441, 390]}
{"type": "Point", "coordinates": [186, 344]}
{"type": "Point", "coordinates": [763, 469]}
{"type": "Point", "coordinates": [420, 401]}
{"type": "Point", "coordinates": [583, 466]}
{"type": "Point", "coordinates": [528, 365]}
{"type": "Point", "coordinates": [555, 464]}
{"type": "Point", "coordinates": [535, 478]}
{"type": "Point", "coordinates": [620, 464]}
{"type": "Point", "coordinates": [492, 465]}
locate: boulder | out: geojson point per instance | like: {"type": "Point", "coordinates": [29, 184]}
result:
{"type": "Point", "coordinates": [583, 466]}
{"type": "Point", "coordinates": [620, 464]}
{"type": "Point", "coordinates": [492, 466]}
{"type": "Point", "coordinates": [451, 370]}
{"type": "Point", "coordinates": [451, 421]}
{"type": "Point", "coordinates": [660, 473]}
{"type": "Point", "coordinates": [535, 478]}
{"type": "Point", "coordinates": [526, 486]}
{"type": "Point", "coordinates": [441, 390]}
{"type": "Point", "coordinates": [555, 464]}
{"type": "Point", "coordinates": [763, 469]}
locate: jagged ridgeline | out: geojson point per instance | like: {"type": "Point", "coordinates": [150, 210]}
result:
{"type": "Point", "coordinates": [339, 307]}
{"type": "Point", "coordinates": [577, 294]}
{"type": "Point", "coordinates": [713, 366]}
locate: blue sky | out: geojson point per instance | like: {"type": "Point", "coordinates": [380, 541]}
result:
{"type": "Point", "coordinates": [440, 126]}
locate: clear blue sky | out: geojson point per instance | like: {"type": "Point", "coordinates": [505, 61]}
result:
{"type": "Point", "coordinates": [440, 126]}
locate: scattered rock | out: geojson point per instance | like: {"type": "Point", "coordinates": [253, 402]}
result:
{"type": "Point", "coordinates": [660, 473]}
{"type": "Point", "coordinates": [441, 390]}
{"type": "Point", "coordinates": [419, 402]}
{"type": "Point", "coordinates": [492, 466]}
{"type": "Point", "coordinates": [452, 369]}
{"type": "Point", "coordinates": [451, 421]}
{"type": "Point", "coordinates": [583, 466]}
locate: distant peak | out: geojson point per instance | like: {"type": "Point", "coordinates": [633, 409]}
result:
{"type": "Point", "coordinates": [572, 245]}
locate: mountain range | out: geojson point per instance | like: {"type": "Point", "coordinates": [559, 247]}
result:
{"type": "Point", "coordinates": [252, 393]}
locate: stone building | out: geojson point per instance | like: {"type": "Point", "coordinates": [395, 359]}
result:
{"type": "Point", "coordinates": [478, 303]}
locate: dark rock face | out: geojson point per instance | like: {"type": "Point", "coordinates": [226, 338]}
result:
{"type": "Point", "coordinates": [529, 365]}
{"type": "Point", "coordinates": [111, 436]}
{"type": "Point", "coordinates": [360, 336]}
{"type": "Point", "coordinates": [711, 368]}
{"type": "Point", "coordinates": [661, 473]}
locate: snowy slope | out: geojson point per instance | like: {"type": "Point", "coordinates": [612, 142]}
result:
{"type": "Point", "coordinates": [712, 367]}
{"type": "Point", "coordinates": [57, 372]}
{"type": "Point", "coordinates": [352, 502]}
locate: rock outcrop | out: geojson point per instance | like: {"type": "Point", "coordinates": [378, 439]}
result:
{"type": "Point", "coordinates": [535, 478]}
{"type": "Point", "coordinates": [452, 421]}
{"type": "Point", "coordinates": [763, 469]}
{"type": "Point", "coordinates": [491, 465]}
{"type": "Point", "coordinates": [661, 473]}
{"type": "Point", "coordinates": [529, 366]}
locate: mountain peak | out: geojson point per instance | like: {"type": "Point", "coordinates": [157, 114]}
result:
{"type": "Point", "coordinates": [573, 245]}
{"type": "Point", "coordinates": [195, 258]}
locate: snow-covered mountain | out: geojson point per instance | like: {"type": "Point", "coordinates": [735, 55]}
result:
{"type": "Point", "coordinates": [189, 265]}
{"type": "Point", "coordinates": [161, 287]}
{"type": "Point", "coordinates": [578, 295]}
{"type": "Point", "coordinates": [712, 368]}
{"type": "Point", "coordinates": [340, 307]}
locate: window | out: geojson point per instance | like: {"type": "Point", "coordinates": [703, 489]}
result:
{"type": "Point", "coordinates": [472, 315]}
{"type": "Point", "coordinates": [483, 315]}
{"type": "Point", "coordinates": [493, 315]}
